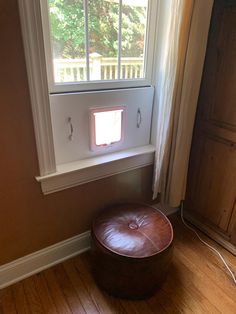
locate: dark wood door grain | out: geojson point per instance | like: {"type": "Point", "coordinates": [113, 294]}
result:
{"type": "Point", "coordinates": [211, 188]}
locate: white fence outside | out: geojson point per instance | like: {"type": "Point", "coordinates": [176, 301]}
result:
{"type": "Point", "coordinates": [74, 70]}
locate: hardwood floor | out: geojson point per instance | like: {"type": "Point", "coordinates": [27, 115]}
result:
{"type": "Point", "coordinates": [197, 283]}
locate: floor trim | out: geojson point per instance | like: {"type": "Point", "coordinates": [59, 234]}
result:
{"type": "Point", "coordinates": [210, 232]}
{"type": "Point", "coordinates": [167, 210]}
{"type": "Point", "coordinates": [33, 263]}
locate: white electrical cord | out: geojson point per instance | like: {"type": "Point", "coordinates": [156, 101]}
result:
{"type": "Point", "coordinates": [208, 245]}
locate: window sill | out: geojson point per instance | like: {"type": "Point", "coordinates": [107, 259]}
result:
{"type": "Point", "coordinates": [87, 170]}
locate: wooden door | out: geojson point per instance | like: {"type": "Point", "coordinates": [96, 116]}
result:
{"type": "Point", "coordinates": [211, 188]}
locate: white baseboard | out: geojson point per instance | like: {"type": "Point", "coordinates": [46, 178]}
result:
{"type": "Point", "coordinates": [45, 258]}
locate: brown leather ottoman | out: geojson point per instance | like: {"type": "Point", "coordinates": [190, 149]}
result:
{"type": "Point", "coordinates": [131, 249]}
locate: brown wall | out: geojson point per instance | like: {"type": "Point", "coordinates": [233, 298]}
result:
{"type": "Point", "coordinates": [30, 221]}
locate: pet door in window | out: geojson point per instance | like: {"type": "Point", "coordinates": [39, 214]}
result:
{"type": "Point", "coordinates": [107, 127]}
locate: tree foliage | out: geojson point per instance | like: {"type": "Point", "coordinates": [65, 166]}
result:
{"type": "Point", "coordinates": [68, 28]}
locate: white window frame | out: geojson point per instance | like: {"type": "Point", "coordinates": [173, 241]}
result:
{"type": "Point", "coordinates": [52, 177]}
{"type": "Point", "coordinates": [109, 84]}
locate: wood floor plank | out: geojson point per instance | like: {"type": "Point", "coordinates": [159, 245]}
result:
{"type": "Point", "coordinates": [7, 303]}
{"type": "Point", "coordinates": [116, 305]}
{"type": "Point", "coordinates": [32, 296]}
{"type": "Point", "coordinates": [56, 292]}
{"type": "Point", "coordinates": [210, 268]}
{"type": "Point", "coordinates": [44, 294]}
{"type": "Point", "coordinates": [209, 263]}
{"type": "Point", "coordinates": [68, 290]}
{"type": "Point", "coordinates": [20, 299]}
{"type": "Point", "coordinates": [182, 300]}
{"type": "Point", "coordinates": [162, 303]}
{"type": "Point", "coordinates": [80, 287]}
{"type": "Point", "coordinates": [187, 296]}
{"type": "Point", "coordinates": [213, 293]}
{"type": "Point", "coordinates": [96, 294]}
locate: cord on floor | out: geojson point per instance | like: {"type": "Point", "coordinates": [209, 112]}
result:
{"type": "Point", "coordinates": [208, 245]}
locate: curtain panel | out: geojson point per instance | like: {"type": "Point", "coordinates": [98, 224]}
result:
{"type": "Point", "coordinates": [181, 64]}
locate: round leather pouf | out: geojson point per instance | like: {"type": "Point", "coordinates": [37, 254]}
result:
{"type": "Point", "coordinates": [131, 249]}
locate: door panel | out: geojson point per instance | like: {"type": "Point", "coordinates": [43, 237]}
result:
{"type": "Point", "coordinates": [212, 191]}
{"type": "Point", "coordinates": [211, 187]}
{"type": "Point", "coordinates": [225, 72]}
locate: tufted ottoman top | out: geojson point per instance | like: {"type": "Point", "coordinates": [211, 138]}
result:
{"type": "Point", "coordinates": [133, 230]}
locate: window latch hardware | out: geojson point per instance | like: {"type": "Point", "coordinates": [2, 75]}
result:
{"type": "Point", "coordinates": [139, 118]}
{"type": "Point", "coordinates": [71, 129]}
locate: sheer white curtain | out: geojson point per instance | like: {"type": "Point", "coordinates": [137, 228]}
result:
{"type": "Point", "coordinates": [178, 81]}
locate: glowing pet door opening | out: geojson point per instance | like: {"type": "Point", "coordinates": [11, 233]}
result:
{"type": "Point", "coordinates": [107, 127]}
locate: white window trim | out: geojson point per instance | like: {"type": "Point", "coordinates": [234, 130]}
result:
{"type": "Point", "coordinates": [87, 170]}
{"type": "Point", "coordinates": [55, 178]}
{"type": "Point", "coordinates": [37, 79]}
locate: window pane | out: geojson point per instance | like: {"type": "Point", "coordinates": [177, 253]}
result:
{"type": "Point", "coordinates": [134, 21]}
{"type": "Point", "coordinates": [66, 18]}
{"type": "Point", "coordinates": [103, 25]}
{"type": "Point", "coordinates": [68, 39]}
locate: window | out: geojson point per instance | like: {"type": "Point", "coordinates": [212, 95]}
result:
{"type": "Point", "coordinates": [90, 65]}
{"type": "Point", "coordinates": [107, 41]}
